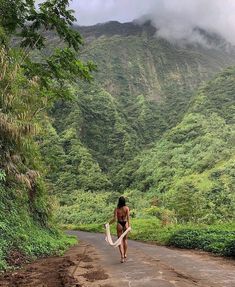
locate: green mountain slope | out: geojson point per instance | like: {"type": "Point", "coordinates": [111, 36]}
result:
{"type": "Point", "coordinates": [191, 169]}
{"type": "Point", "coordinates": [151, 80]}
{"type": "Point", "coordinates": [132, 61]}
{"type": "Point", "coordinates": [103, 127]}
{"type": "Point", "coordinates": [187, 176]}
{"type": "Point", "coordinates": [138, 62]}
{"type": "Point", "coordinates": [144, 97]}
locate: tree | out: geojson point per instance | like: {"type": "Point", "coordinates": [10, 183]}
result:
{"type": "Point", "coordinates": [31, 28]}
{"type": "Point", "coordinates": [30, 84]}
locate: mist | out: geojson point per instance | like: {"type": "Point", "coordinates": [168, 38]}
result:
{"type": "Point", "coordinates": [174, 19]}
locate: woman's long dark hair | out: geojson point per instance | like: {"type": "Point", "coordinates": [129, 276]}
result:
{"type": "Point", "coordinates": [121, 202]}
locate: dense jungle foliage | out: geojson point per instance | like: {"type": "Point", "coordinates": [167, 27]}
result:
{"type": "Point", "coordinates": [150, 127]}
{"type": "Point", "coordinates": [188, 174]}
{"type": "Point", "coordinates": [29, 87]}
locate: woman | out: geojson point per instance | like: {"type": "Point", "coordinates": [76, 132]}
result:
{"type": "Point", "coordinates": [122, 217]}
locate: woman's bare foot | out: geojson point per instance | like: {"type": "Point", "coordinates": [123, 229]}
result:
{"type": "Point", "coordinates": [122, 260]}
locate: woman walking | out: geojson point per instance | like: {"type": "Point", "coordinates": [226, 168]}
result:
{"type": "Point", "coordinates": [122, 217]}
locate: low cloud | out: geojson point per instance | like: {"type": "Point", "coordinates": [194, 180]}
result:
{"type": "Point", "coordinates": [174, 19]}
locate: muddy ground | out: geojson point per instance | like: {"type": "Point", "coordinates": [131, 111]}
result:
{"type": "Point", "coordinates": [78, 267]}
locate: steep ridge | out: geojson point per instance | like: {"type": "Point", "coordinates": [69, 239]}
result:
{"type": "Point", "coordinates": [132, 60]}
{"type": "Point", "coordinates": [151, 80]}
{"type": "Point", "coordinates": [191, 169]}
{"type": "Point", "coordinates": [144, 92]}
{"type": "Point", "coordinates": [138, 62]}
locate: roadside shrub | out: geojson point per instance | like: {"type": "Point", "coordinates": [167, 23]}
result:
{"type": "Point", "coordinates": [220, 242]}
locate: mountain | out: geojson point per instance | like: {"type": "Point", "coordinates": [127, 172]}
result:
{"type": "Point", "coordinates": [138, 116]}
{"type": "Point", "coordinates": [191, 168]}
{"type": "Point", "coordinates": [132, 60]}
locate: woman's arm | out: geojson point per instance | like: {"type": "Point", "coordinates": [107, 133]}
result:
{"type": "Point", "coordinates": [128, 216]}
{"type": "Point", "coordinates": [114, 219]}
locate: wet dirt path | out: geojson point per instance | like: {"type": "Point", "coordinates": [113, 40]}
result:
{"type": "Point", "coordinates": [79, 267]}
{"type": "Point", "coordinates": [92, 263]}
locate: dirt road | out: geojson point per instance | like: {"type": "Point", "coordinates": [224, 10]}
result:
{"type": "Point", "coordinates": [93, 263]}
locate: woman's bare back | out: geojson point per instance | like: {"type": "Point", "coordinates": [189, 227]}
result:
{"type": "Point", "coordinates": [122, 213]}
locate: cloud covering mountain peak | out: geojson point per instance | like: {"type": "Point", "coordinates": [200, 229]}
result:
{"type": "Point", "coordinates": [174, 19]}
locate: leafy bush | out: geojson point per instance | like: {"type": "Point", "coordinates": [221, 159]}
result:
{"type": "Point", "coordinates": [80, 207]}
{"type": "Point", "coordinates": [217, 241]}
{"type": "Point", "coordinates": [20, 232]}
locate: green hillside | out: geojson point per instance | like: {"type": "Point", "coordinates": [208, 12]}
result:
{"type": "Point", "coordinates": [27, 227]}
{"type": "Point", "coordinates": [138, 62]}
{"type": "Point", "coordinates": [142, 88]}
{"type": "Point", "coordinates": [180, 191]}
{"type": "Point", "coordinates": [132, 61]}
{"type": "Point", "coordinates": [191, 169]}
{"type": "Point", "coordinates": [150, 119]}
{"type": "Point", "coordinates": [150, 126]}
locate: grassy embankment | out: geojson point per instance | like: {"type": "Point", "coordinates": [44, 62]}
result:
{"type": "Point", "coordinates": [23, 238]}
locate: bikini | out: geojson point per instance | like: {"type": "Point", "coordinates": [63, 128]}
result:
{"type": "Point", "coordinates": [122, 222]}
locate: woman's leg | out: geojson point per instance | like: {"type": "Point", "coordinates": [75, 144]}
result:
{"type": "Point", "coordinates": [125, 246]}
{"type": "Point", "coordinates": [121, 247]}
{"type": "Point", "coordinates": [125, 242]}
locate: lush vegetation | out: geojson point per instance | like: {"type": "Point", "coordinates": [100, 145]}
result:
{"type": "Point", "coordinates": [181, 191]}
{"type": "Point", "coordinates": [134, 99]}
{"type": "Point", "coordinates": [132, 61]}
{"type": "Point", "coordinates": [143, 128]}
{"type": "Point", "coordinates": [30, 85]}
{"type": "Point", "coordinates": [191, 169]}
{"type": "Point", "coordinates": [22, 236]}
{"type": "Point", "coordinates": [189, 172]}
{"type": "Point", "coordinates": [216, 238]}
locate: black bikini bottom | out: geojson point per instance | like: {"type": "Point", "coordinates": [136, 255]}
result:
{"type": "Point", "coordinates": [123, 224]}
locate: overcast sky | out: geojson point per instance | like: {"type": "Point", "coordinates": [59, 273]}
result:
{"type": "Point", "coordinates": [175, 19]}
